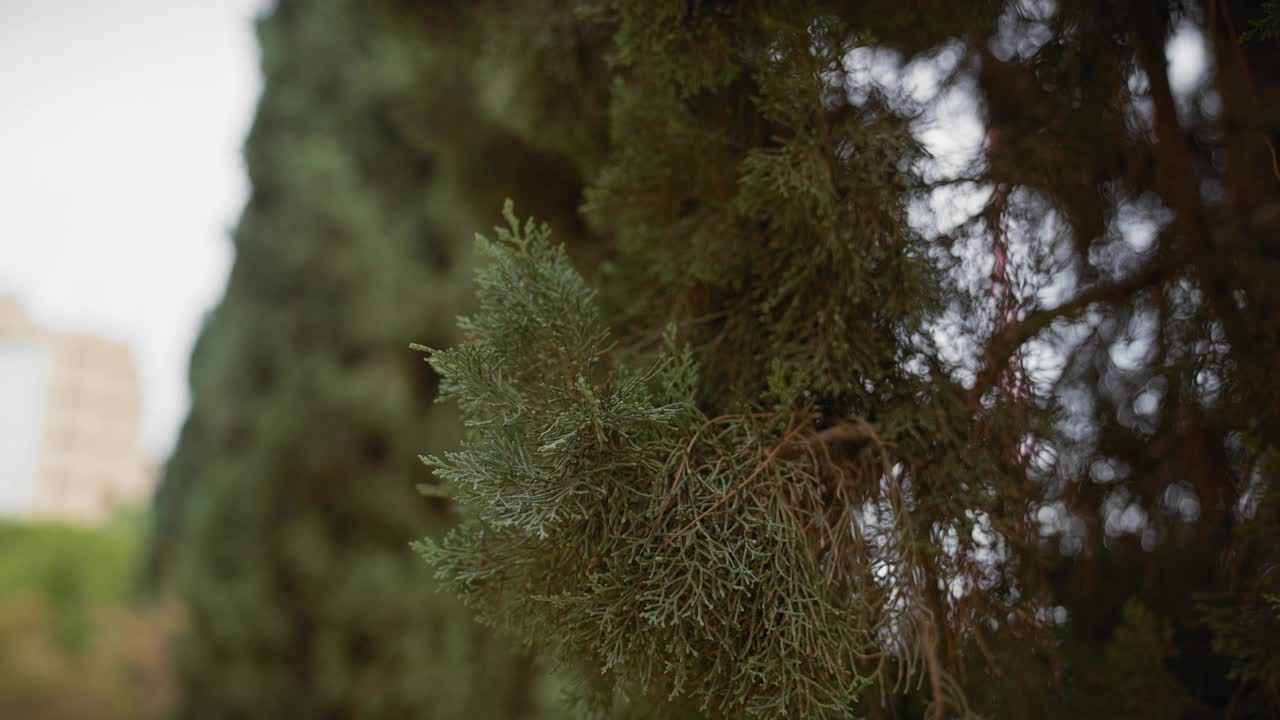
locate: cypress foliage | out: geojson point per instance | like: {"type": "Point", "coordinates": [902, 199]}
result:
{"type": "Point", "coordinates": [745, 519]}
{"type": "Point", "coordinates": [792, 450]}
{"type": "Point", "coordinates": [286, 512]}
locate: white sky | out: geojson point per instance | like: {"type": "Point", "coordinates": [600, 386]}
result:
{"type": "Point", "coordinates": [121, 123]}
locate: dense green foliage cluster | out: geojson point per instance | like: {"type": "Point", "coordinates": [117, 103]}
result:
{"type": "Point", "coordinates": [846, 423]}
{"type": "Point", "coordinates": [286, 512]}
{"type": "Point", "coordinates": [811, 416]}
{"type": "Point", "coordinates": [699, 554]}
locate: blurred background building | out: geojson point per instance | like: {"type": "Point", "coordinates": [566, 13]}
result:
{"type": "Point", "coordinates": [70, 423]}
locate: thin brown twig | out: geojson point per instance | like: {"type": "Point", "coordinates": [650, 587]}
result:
{"type": "Point", "coordinates": [985, 650]}
{"type": "Point", "coordinates": [1003, 346]}
{"type": "Point", "coordinates": [842, 430]}
{"type": "Point", "coordinates": [935, 672]}
{"type": "Point", "coordinates": [688, 452]}
{"type": "Point", "coordinates": [792, 431]}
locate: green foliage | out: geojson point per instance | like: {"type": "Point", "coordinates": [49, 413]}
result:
{"type": "Point", "coordinates": [1266, 27]}
{"type": "Point", "coordinates": [785, 448]}
{"type": "Point", "coordinates": [567, 473]}
{"type": "Point", "coordinates": [684, 520]}
{"type": "Point", "coordinates": [285, 514]}
{"type": "Point", "coordinates": [72, 644]}
{"type": "Point", "coordinates": [736, 182]}
{"type": "Point", "coordinates": [1246, 629]}
{"type": "Point", "coordinates": [1138, 651]}
{"type": "Point", "coordinates": [814, 424]}
{"type": "Point", "coordinates": [95, 564]}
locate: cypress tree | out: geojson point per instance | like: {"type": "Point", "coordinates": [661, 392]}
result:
{"type": "Point", "coordinates": [285, 514]}
{"type": "Point", "coordinates": [794, 444]}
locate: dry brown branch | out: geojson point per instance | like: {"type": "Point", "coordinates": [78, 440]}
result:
{"type": "Point", "coordinates": [935, 671]}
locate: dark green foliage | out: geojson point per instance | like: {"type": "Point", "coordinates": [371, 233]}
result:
{"type": "Point", "coordinates": [589, 484]}
{"type": "Point", "coordinates": [1266, 27]}
{"type": "Point", "coordinates": [681, 520]}
{"type": "Point", "coordinates": [795, 448]}
{"type": "Point", "coordinates": [815, 426]}
{"type": "Point", "coordinates": [286, 512]}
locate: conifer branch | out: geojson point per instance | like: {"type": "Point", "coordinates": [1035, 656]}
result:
{"type": "Point", "coordinates": [1003, 346]}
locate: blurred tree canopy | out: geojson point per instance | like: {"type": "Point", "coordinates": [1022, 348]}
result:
{"type": "Point", "coordinates": [286, 512]}
{"type": "Point", "coordinates": [907, 359]}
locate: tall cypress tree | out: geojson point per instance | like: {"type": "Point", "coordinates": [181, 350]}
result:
{"type": "Point", "coordinates": [794, 450]}
{"type": "Point", "coordinates": [286, 511]}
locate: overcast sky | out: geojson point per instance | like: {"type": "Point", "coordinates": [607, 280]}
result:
{"type": "Point", "coordinates": [121, 123]}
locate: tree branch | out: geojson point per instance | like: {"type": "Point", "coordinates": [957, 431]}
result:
{"type": "Point", "coordinates": [1003, 346]}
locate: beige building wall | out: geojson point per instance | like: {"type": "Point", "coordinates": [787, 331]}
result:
{"type": "Point", "coordinates": [88, 458]}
